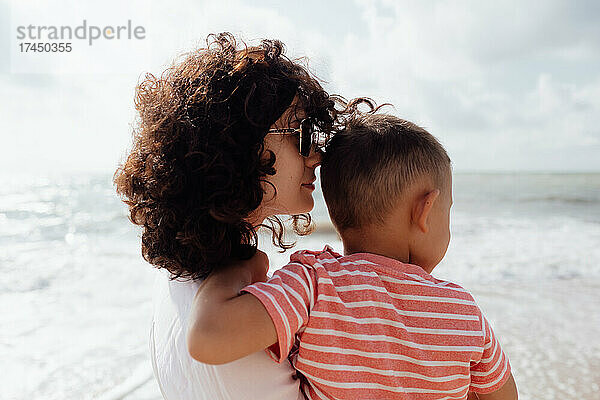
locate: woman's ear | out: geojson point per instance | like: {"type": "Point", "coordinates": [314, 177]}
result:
{"type": "Point", "coordinates": [422, 208]}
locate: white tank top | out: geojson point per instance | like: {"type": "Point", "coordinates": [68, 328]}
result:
{"type": "Point", "coordinates": [180, 377]}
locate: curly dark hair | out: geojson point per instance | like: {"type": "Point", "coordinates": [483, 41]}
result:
{"type": "Point", "coordinates": [194, 172]}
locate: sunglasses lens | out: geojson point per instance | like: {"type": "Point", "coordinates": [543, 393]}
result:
{"type": "Point", "coordinates": [306, 136]}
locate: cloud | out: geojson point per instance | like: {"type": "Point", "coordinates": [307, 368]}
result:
{"type": "Point", "coordinates": [505, 85]}
{"type": "Point", "coordinates": [485, 78]}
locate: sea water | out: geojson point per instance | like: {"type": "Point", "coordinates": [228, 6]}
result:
{"type": "Point", "coordinates": [75, 294]}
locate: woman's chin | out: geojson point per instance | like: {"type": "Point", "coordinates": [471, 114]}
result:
{"type": "Point", "coordinates": [307, 205]}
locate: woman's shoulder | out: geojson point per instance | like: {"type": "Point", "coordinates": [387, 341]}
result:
{"type": "Point", "coordinates": [173, 299]}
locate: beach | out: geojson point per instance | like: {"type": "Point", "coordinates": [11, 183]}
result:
{"type": "Point", "coordinates": [76, 296]}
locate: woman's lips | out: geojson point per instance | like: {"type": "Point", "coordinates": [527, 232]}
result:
{"type": "Point", "coordinates": [310, 186]}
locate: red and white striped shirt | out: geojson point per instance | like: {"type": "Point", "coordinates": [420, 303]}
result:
{"type": "Point", "coordinates": [367, 326]}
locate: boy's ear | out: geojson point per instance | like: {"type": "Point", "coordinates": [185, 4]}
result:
{"type": "Point", "coordinates": [422, 208]}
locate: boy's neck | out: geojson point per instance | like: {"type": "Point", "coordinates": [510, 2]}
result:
{"type": "Point", "coordinates": [387, 244]}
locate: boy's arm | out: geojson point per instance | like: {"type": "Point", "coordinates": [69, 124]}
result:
{"type": "Point", "coordinates": [491, 376]}
{"type": "Point", "coordinates": [224, 325]}
{"type": "Point", "coordinates": [508, 391]}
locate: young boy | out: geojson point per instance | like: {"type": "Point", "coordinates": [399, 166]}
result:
{"type": "Point", "coordinates": [372, 323]}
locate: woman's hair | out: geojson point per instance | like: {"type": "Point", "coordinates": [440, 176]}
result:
{"type": "Point", "coordinates": [197, 162]}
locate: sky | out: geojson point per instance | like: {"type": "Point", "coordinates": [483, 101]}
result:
{"type": "Point", "coordinates": [505, 86]}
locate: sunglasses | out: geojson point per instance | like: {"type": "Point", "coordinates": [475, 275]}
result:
{"type": "Point", "coordinates": [308, 135]}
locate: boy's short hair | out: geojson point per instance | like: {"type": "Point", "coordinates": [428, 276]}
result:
{"type": "Point", "coordinates": [369, 164]}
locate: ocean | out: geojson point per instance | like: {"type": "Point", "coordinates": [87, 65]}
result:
{"type": "Point", "coordinates": [76, 295]}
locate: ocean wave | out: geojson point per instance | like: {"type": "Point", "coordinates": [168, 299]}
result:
{"type": "Point", "coordinates": [561, 199]}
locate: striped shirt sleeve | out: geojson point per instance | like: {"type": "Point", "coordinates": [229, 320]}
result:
{"type": "Point", "coordinates": [288, 297]}
{"type": "Point", "coordinates": [493, 370]}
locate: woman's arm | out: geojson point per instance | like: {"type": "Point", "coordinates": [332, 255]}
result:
{"type": "Point", "coordinates": [508, 391]}
{"type": "Point", "coordinates": [224, 325]}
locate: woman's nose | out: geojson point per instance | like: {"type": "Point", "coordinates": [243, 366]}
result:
{"type": "Point", "coordinates": [314, 158]}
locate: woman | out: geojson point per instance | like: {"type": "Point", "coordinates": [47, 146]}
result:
{"type": "Point", "coordinates": [224, 144]}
